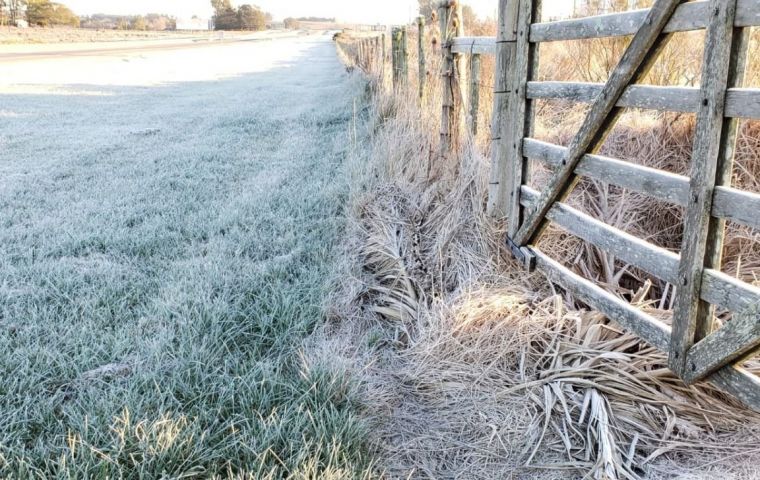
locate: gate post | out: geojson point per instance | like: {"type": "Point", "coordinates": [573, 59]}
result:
{"type": "Point", "coordinates": [520, 114]}
{"type": "Point", "coordinates": [453, 74]}
{"type": "Point", "coordinates": [692, 318]}
{"type": "Point", "coordinates": [506, 47]}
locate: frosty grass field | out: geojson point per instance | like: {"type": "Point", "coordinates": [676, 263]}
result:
{"type": "Point", "coordinates": [168, 222]}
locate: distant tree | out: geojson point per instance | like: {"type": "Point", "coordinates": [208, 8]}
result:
{"type": "Point", "coordinates": [225, 17]}
{"type": "Point", "coordinates": [138, 23]}
{"type": "Point", "coordinates": [122, 24]}
{"type": "Point", "coordinates": [251, 18]}
{"type": "Point", "coordinates": [158, 22]}
{"type": "Point", "coordinates": [15, 10]}
{"type": "Point", "coordinates": [46, 13]}
{"type": "Point", "coordinates": [291, 23]}
{"type": "Point", "coordinates": [221, 5]}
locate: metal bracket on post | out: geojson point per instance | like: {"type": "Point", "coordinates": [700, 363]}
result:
{"type": "Point", "coordinates": [524, 255]}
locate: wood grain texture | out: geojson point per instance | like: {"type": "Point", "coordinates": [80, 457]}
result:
{"type": "Point", "coordinates": [734, 341]}
{"type": "Point", "coordinates": [461, 70]}
{"type": "Point", "coordinates": [738, 382]}
{"type": "Point", "coordinates": [658, 184]}
{"type": "Point", "coordinates": [421, 57]}
{"type": "Point", "coordinates": [396, 57]}
{"type": "Point", "coordinates": [728, 292]}
{"type": "Point", "coordinates": [514, 130]}
{"type": "Point", "coordinates": [635, 61]}
{"type": "Point", "coordinates": [475, 45]}
{"type": "Point", "coordinates": [728, 203]}
{"type": "Point", "coordinates": [740, 102]}
{"type": "Point", "coordinates": [404, 55]}
{"type": "Point", "coordinates": [737, 206]}
{"type": "Point", "coordinates": [474, 93]}
{"type": "Point", "coordinates": [650, 330]}
{"type": "Point", "coordinates": [657, 261]}
{"type": "Point", "coordinates": [716, 230]}
{"type": "Point", "coordinates": [705, 159]}
{"type": "Point", "coordinates": [498, 187]}
{"type": "Point", "coordinates": [717, 288]}
{"type": "Point", "coordinates": [689, 16]}
{"type": "Point", "coordinates": [447, 74]}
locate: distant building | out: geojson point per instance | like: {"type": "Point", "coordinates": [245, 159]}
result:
{"type": "Point", "coordinates": [195, 23]}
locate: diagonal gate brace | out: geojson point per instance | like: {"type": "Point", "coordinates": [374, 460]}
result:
{"type": "Point", "coordinates": [729, 344]}
{"type": "Point", "coordinates": [636, 62]}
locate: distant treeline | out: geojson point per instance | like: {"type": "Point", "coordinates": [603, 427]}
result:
{"type": "Point", "coordinates": [245, 17]}
{"type": "Point", "coordinates": [152, 22]}
{"type": "Point", "coordinates": [43, 13]}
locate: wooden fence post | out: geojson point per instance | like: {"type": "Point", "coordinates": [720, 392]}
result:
{"type": "Point", "coordinates": [400, 57]}
{"type": "Point", "coordinates": [460, 61]}
{"type": "Point", "coordinates": [474, 93]}
{"type": "Point", "coordinates": [383, 59]}
{"type": "Point", "coordinates": [446, 73]}
{"type": "Point", "coordinates": [421, 55]}
{"type": "Point", "coordinates": [404, 55]}
{"type": "Point", "coordinates": [520, 124]}
{"type": "Point", "coordinates": [396, 57]}
{"type": "Point", "coordinates": [708, 140]}
{"type": "Point", "coordinates": [506, 49]}
{"type": "Point", "coordinates": [368, 53]}
{"type": "Point", "coordinates": [453, 74]}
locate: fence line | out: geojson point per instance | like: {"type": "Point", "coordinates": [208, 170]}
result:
{"type": "Point", "coordinates": [697, 350]}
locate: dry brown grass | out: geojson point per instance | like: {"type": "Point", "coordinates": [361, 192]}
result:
{"type": "Point", "coordinates": [472, 368]}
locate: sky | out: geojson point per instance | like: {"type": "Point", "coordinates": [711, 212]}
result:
{"type": "Point", "coordinates": [355, 11]}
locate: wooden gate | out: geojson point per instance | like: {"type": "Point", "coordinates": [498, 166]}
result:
{"type": "Point", "coordinates": [696, 349]}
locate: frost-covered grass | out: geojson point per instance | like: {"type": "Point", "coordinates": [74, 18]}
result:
{"type": "Point", "coordinates": [164, 251]}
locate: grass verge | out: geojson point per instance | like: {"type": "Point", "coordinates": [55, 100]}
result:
{"type": "Point", "coordinates": [162, 266]}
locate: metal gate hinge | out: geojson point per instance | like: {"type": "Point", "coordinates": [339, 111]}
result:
{"type": "Point", "coordinates": [524, 255]}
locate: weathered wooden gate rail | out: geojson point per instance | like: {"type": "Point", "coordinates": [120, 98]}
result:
{"type": "Point", "coordinates": [696, 351]}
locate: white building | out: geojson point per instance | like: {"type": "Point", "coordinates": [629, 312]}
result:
{"type": "Point", "coordinates": [195, 23]}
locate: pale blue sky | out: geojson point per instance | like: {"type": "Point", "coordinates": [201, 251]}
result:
{"type": "Point", "coordinates": [364, 11]}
